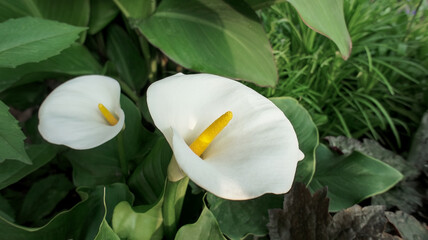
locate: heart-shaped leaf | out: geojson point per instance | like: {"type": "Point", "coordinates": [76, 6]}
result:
{"type": "Point", "coordinates": [351, 178]}
{"type": "Point", "coordinates": [307, 135]}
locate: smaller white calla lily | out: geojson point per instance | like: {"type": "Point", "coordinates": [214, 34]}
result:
{"type": "Point", "coordinates": [82, 113]}
{"type": "Point", "coordinates": [251, 149]}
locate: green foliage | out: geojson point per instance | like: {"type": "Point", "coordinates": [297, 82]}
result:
{"type": "Point", "coordinates": [351, 178]}
{"type": "Point", "coordinates": [131, 66]}
{"type": "Point", "coordinates": [102, 13]}
{"type": "Point", "coordinates": [378, 93]}
{"type": "Point", "coordinates": [259, 4]}
{"type": "Point", "coordinates": [75, 60]}
{"type": "Point", "coordinates": [136, 8]}
{"type": "Point", "coordinates": [11, 137]}
{"type": "Point", "coordinates": [83, 221]}
{"type": "Point", "coordinates": [240, 218]}
{"type": "Point", "coordinates": [148, 179]}
{"type": "Point", "coordinates": [6, 211]}
{"type": "Point", "coordinates": [307, 134]}
{"type": "Point", "coordinates": [12, 171]}
{"type": "Point", "coordinates": [139, 223]}
{"type": "Point", "coordinates": [43, 197]}
{"type": "Point", "coordinates": [327, 18]}
{"type": "Point", "coordinates": [370, 94]}
{"type": "Point", "coordinates": [205, 228]}
{"type": "Point", "coordinates": [36, 40]}
{"type": "Point", "coordinates": [214, 37]}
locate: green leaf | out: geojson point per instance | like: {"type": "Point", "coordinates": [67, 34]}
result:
{"type": "Point", "coordinates": [6, 211]}
{"type": "Point", "coordinates": [148, 179]}
{"type": "Point", "coordinates": [13, 171]}
{"type": "Point", "coordinates": [240, 218]}
{"type": "Point", "coordinates": [138, 223]}
{"type": "Point", "coordinates": [102, 13]}
{"type": "Point", "coordinates": [327, 18]}
{"type": "Point", "coordinates": [83, 221]}
{"type": "Point", "coordinates": [259, 4]}
{"type": "Point", "coordinates": [125, 55]}
{"type": "Point", "coordinates": [17, 9]}
{"type": "Point", "coordinates": [75, 60]}
{"type": "Point", "coordinates": [106, 233]}
{"type": "Point", "coordinates": [136, 8]}
{"type": "Point", "coordinates": [405, 195]}
{"type": "Point", "coordinates": [307, 135]}
{"type": "Point", "coordinates": [11, 137]}
{"type": "Point", "coordinates": [213, 36]}
{"type": "Point", "coordinates": [205, 228]}
{"type": "Point", "coordinates": [24, 97]}
{"type": "Point", "coordinates": [74, 12]}
{"type": "Point", "coordinates": [26, 40]}
{"type": "Point", "coordinates": [352, 178]}
{"type": "Point", "coordinates": [96, 166]}
{"type": "Point", "coordinates": [43, 197]}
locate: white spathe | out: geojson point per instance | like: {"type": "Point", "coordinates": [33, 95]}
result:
{"type": "Point", "coordinates": [70, 114]}
{"type": "Point", "coordinates": [256, 153]}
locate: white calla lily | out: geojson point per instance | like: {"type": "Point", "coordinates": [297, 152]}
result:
{"type": "Point", "coordinates": [256, 153]}
{"type": "Point", "coordinates": [82, 113]}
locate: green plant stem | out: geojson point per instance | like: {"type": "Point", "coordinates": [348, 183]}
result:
{"type": "Point", "coordinates": [173, 203]}
{"type": "Point", "coordinates": [122, 159]}
{"type": "Point", "coordinates": [128, 91]}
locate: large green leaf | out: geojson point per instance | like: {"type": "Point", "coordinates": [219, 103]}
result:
{"type": "Point", "coordinates": [351, 178]}
{"type": "Point", "coordinates": [213, 36]}
{"type": "Point", "coordinates": [148, 179]}
{"type": "Point", "coordinates": [106, 232]}
{"type": "Point", "coordinates": [125, 55]}
{"type": "Point", "coordinates": [102, 13]}
{"type": "Point", "coordinates": [26, 40]}
{"type": "Point", "coordinates": [83, 221]}
{"type": "Point", "coordinates": [17, 9]}
{"type": "Point", "coordinates": [75, 60]}
{"type": "Point", "coordinates": [12, 171]}
{"type": "Point", "coordinates": [43, 197]}
{"type": "Point", "coordinates": [11, 137]}
{"type": "Point", "coordinates": [74, 12]}
{"type": "Point", "coordinates": [259, 4]}
{"type": "Point", "coordinates": [327, 18]}
{"type": "Point", "coordinates": [136, 8]}
{"type": "Point", "coordinates": [240, 218]}
{"type": "Point", "coordinates": [307, 135]}
{"type": "Point", "coordinates": [6, 210]}
{"type": "Point", "coordinates": [205, 228]}
{"type": "Point", "coordinates": [138, 223]}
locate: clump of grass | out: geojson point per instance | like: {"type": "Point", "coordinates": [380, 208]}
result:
{"type": "Point", "coordinates": [379, 92]}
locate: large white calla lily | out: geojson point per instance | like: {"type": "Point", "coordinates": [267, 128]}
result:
{"type": "Point", "coordinates": [256, 153]}
{"type": "Point", "coordinates": [82, 113]}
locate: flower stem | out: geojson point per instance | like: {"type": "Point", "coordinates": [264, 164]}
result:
{"type": "Point", "coordinates": [173, 203]}
{"type": "Point", "coordinates": [122, 159]}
